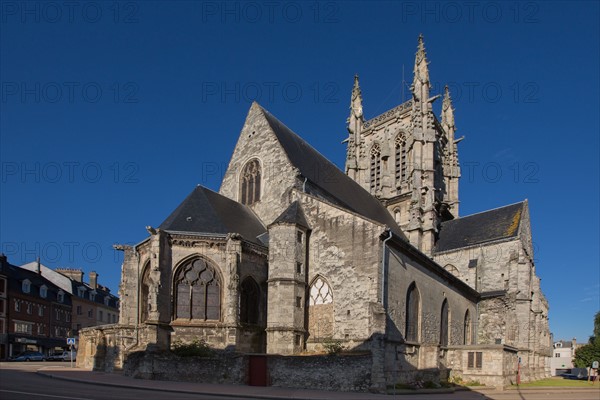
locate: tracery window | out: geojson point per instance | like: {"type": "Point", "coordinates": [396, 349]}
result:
{"type": "Point", "coordinates": [197, 291]}
{"type": "Point", "coordinates": [250, 182]}
{"type": "Point", "coordinates": [401, 161]}
{"type": "Point", "coordinates": [444, 324]}
{"type": "Point", "coordinates": [320, 292]}
{"type": "Point", "coordinates": [412, 313]}
{"type": "Point", "coordinates": [320, 309]}
{"type": "Point", "coordinates": [467, 329]}
{"type": "Point", "coordinates": [375, 169]}
{"type": "Point", "coordinates": [249, 301]}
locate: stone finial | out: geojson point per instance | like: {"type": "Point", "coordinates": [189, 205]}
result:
{"type": "Point", "coordinates": [421, 71]}
{"type": "Point", "coordinates": [447, 109]}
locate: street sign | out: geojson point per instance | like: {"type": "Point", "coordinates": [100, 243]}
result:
{"type": "Point", "coordinates": [71, 341]}
{"type": "Point", "coordinates": [595, 364]}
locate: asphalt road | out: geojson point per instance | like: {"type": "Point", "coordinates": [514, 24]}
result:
{"type": "Point", "coordinates": [19, 381]}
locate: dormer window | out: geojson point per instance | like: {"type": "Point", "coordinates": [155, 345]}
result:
{"type": "Point", "coordinates": [92, 295]}
{"type": "Point", "coordinates": [60, 296]}
{"type": "Point", "coordinates": [81, 291]}
{"type": "Point", "coordinates": [26, 286]}
{"type": "Point", "coordinates": [106, 301]}
{"type": "Point", "coordinates": [43, 291]}
{"type": "Point", "coordinates": [250, 183]}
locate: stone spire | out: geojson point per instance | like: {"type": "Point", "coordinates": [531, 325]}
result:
{"type": "Point", "coordinates": [355, 126]}
{"type": "Point", "coordinates": [448, 115]}
{"type": "Point", "coordinates": [420, 85]}
{"type": "Point", "coordinates": [451, 165]}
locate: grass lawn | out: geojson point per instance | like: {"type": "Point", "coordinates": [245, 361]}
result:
{"type": "Point", "coordinates": [558, 381]}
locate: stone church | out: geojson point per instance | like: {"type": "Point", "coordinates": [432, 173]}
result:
{"type": "Point", "coordinates": [293, 253]}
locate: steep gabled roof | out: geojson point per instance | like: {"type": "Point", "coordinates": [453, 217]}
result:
{"type": "Point", "coordinates": [487, 226]}
{"type": "Point", "coordinates": [328, 178]}
{"type": "Point", "coordinates": [205, 211]}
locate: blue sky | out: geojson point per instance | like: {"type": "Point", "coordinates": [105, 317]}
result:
{"type": "Point", "coordinates": [112, 112]}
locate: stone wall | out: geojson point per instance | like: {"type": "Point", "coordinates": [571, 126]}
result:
{"type": "Point", "coordinates": [222, 368]}
{"type": "Point", "coordinates": [498, 364]}
{"type": "Point", "coordinates": [340, 373]}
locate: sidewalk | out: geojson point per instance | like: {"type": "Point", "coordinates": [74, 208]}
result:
{"type": "Point", "coordinates": [119, 380]}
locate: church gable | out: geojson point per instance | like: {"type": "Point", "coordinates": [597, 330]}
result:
{"type": "Point", "coordinates": [259, 174]}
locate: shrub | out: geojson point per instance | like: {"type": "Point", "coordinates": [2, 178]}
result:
{"type": "Point", "coordinates": [333, 347]}
{"type": "Point", "coordinates": [197, 348]}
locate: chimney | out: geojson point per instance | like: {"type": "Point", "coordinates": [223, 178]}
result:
{"type": "Point", "coordinates": [94, 280]}
{"type": "Point", "coordinates": [574, 343]}
{"type": "Point", "coordinates": [38, 269]}
{"type": "Point", "coordinates": [74, 274]}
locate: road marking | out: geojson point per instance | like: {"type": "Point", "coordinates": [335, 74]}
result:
{"type": "Point", "coordinates": [45, 395]}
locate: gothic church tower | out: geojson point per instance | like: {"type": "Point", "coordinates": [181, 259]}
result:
{"type": "Point", "coordinates": [407, 158]}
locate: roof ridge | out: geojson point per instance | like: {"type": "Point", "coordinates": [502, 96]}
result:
{"type": "Point", "coordinates": [484, 211]}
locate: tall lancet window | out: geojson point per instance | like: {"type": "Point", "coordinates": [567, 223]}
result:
{"type": "Point", "coordinates": [400, 159]}
{"type": "Point", "coordinates": [250, 182]}
{"type": "Point", "coordinates": [375, 167]}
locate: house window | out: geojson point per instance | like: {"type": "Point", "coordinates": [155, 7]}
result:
{"type": "Point", "coordinates": [92, 296]}
{"type": "Point", "coordinates": [2, 309]}
{"type": "Point", "coordinates": [26, 286]}
{"type": "Point", "coordinates": [2, 286]}
{"type": "Point", "coordinates": [100, 315]}
{"type": "Point", "coordinates": [250, 183]}
{"type": "Point", "coordinates": [68, 317]}
{"type": "Point", "coordinates": [60, 296]}
{"type": "Point", "coordinates": [29, 308]}
{"type": "Point", "coordinates": [91, 313]}
{"type": "Point", "coordinates": [444, 324]}
{"type": "Point", "coordinates": [43, 291]}
{"type": "Point", "coordinates": [57, 314]}
{"type": "Point", "coordinates": [81, 292]}
{"type": "Point", "coordinates": [249, 301]}
{"type": "Point", "coordinates": [198, 291]}
{"type": "Point", "coordinates": [375, 170]}
{"type": "Point", "coordinates": [17, 306]}
{"type": "Point", "coordinates": [412, 313]}
{"type": "Point", "coordinates": [40, 329]}
{"type": "Point", "coordinates": [475, 359]}
{"type": "Point", "coordinates": [23, 327]}
{"type": "Point", "coordinates": [79, 312]}
{"type": "Point", "coordinates": [557, 355]}
{"type": "Point", "coordinates": [106, 301]}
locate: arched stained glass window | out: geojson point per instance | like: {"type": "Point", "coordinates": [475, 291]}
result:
{"type": "Point", "coordinates": [444, 324]}
{"type": "Point", "coordinates": [249, 301]}
{"type": "Point", "coordinates": [197, 291]}
{"type": "Point", "coordinates": [250, 182]}
{"type": "Point", "coordinates": [412, 313]}
{"type": "Point", "coordinates": [375, 167]}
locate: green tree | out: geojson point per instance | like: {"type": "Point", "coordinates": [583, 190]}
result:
{"type": "Point", "coordinates": [586, 354]}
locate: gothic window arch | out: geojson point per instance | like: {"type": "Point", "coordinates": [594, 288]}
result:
{"type": "Point", "coordinates": [197, 291]}
{"type": "Point", "coordinates": [250, 179]}
{"type": "Point", "coordinates": [145, 293]}
{"type": "Point", "coordinates": [444, 323]}
{"type": "Point", "coordinates": [249, 301]}
{"type": "Point", "coordinates": [375, 167]}
{"type": "Point", "coordinates": [401, 158]}
{"type": "Point", "coordinates": [320, 309]}
{"type": "Point", "coordinates": [413, 310]}
{"type": "Point", "coordinates": [468, 335]}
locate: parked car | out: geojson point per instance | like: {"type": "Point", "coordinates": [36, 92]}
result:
{"type": "Point", "coordinates": [64, 356]}
{"type": "Point", "coordinates": [29, 356]}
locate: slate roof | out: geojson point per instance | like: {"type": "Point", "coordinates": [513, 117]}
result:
{"type": "Point", "coordinates": [17, 275]}
{"type": "Point", "coordinates": [293, 214]}
{"type": "Point", "coordinates": [328, 178]}
{"type": "Point", "coordinates": [205, 211]}
{"type": "Point", "coordinates": [487, 226]}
